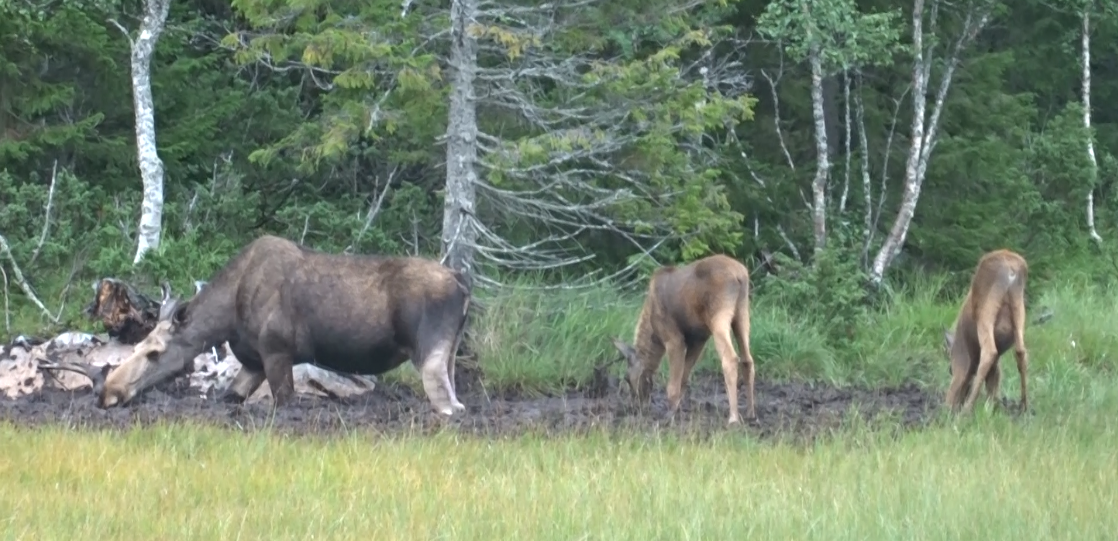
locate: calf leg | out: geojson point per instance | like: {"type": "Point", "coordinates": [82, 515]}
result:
{"type": "Point", "coordinates": [1020, 352]}
{"type": "Point", "coordinates": [694, 351]}
{"type": "Point", "coordinates": [741, 329]}
{"type": "Point", "coordinates": [987, 358]}
{"type": "Point", "coordinates": [993, 384]}
{"type": "Point", "coordinates": [677, 352]}
{"type": "Point", "coordinates": [722, 341]}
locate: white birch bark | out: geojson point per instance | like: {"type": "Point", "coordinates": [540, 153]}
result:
{"type": "Point", "coordinates": [823, 165]}
{"type": "Point", "coordinates": [867, 193]}
{"type": "Point", "coordinates": [923, 138]}
{"type": "Point", "coordinates": [1086, 44]}
{"type": "Point", "coordinates": [151, 166]}
{"type": "Point", "coordinates": [459, 234]}
{"type": "Point", "coordinates": [846, 140]}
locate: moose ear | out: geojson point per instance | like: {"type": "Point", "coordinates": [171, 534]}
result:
{"type": "Point", "coordinates": [178, 317]}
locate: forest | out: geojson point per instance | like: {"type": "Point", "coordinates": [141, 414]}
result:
{"type": "Point", "coordinates": [830, 144]}
{"type": "Point", "coordinates": [859, 157]}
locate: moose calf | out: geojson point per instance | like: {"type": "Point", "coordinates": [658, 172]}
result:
{"type": "Point", "coordinates": [991, 320]}
{"type": "Point", "coordinates": [683, 307]}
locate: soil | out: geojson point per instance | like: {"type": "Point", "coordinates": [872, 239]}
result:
{"type": "Point", "coordinates": [786, 410]}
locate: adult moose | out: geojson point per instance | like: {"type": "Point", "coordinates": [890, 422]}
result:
{"type": "Point", "coordinates": [278, 303]}
{"type": "Point", "coordinates": [683, 307]}
{"type": "Point", "coordinates": [991, 320]}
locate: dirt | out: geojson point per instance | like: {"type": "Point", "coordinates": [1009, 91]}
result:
{"type": "Point", "coordinates": [788, 410]}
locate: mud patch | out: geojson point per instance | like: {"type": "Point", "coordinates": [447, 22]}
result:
{"type": "Point", "coordinates": [798, 411]}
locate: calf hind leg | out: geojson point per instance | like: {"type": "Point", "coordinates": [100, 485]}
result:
{"type": "Point", "coordinates": [722, 341]}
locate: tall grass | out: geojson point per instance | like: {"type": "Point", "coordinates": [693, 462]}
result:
{"type": "Point", "coordinates": [546, 340]}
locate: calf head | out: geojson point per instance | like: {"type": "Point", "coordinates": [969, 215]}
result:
{"type": "Point", "coordinates": [638, 379]}
{"type": "Point", "coordinates": [948, 343]}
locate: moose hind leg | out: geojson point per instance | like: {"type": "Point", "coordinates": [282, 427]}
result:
{"type": "Point", "coordinates": [248, 378]}
{"type": "Point", "coordinates": [246, 382]}
{"type": "Point", "coordinates": [436, 378]}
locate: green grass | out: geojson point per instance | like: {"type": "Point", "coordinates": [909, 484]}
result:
{"type": "Point", "coordinates": [1051, 476]}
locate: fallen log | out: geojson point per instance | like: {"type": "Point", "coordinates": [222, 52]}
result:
{"type": "Point", "coordinates": [126, 314]}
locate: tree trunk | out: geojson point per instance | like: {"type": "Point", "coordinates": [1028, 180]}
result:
{"type": "Point", "coordinates": [151, 167]}
{"type": "Point", "coordinates": [459, 234]}
{"type": "Point", "coordinates": [1087, 124]}
{"type": "Point", "coordinates": [922, 143]}
{"type": "Point", "coordinates": [823, 164]}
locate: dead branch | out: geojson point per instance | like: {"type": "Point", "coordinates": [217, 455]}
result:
{"type": "Point", "coordinates": [776, 109]}
{"type": "Point", "coordinates": [375, 208]}
{"type": "Point", "coordinates": [46, 215]}
{"type": "Point", "coordinates": [7, 308]}
{"type": "Point", "coordinates": [6, 251]}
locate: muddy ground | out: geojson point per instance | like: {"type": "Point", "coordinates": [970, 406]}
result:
{"type": "Point", "coordinates": [796, 411]}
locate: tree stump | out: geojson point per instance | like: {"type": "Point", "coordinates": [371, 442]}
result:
{"type": "Point", "coordinates": [127, 314]}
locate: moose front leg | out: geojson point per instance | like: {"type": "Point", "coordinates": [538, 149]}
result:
{"type": "Point", "coordinates": [281, 380]}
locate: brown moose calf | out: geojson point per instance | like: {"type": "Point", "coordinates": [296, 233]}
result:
{"type": "Point", "coordinates": [683, 308]}
{"type": "Point", "coordinates": [991, 320]}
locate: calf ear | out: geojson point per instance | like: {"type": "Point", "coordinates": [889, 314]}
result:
{"type": "Point", "coordinates": [626, 350]}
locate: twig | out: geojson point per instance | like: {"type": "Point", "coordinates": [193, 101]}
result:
{"type": "Point", "coordinates": [7, 311]}
{"type": "Point", "coordinates": [306, 225]}
{"type": "Point", "coordinates": [6, 251]}
{"type": "Point", "coordinates": [46, 217]}
{"type": "Point", "coordinates": [372, 214]}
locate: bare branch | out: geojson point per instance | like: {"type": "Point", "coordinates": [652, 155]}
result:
{"type": "Point", "coordinates": [7, 308]}
{"type": "Point", "coordinates": [46, 214]}
{"type": "Point", "coordinates": [6, 251]}
{"type": "Point", "coordinates": [776, 110]}
{"type": "Point", "coordinates": [374, 209]}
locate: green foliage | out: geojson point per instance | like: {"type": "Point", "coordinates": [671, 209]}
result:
{"type": "Point", "coordinates": [844, 37]}
{"type": "Point", "coordinates": [831, 293]}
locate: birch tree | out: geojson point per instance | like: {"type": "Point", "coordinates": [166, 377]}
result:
{"type": "Point", "coordinates": [833, 36]}
{"type": "Point", "coordinates": [151, 166]}
{"type": "Point", "coordinates": [922, 140]}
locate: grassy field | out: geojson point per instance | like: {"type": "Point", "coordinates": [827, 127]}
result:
{"type": "Point", "coordinates": [1049, 475]}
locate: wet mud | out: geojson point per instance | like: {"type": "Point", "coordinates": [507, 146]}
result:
{"type": "Point", "coordinates": [786, 410]}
